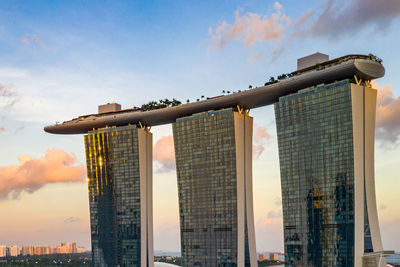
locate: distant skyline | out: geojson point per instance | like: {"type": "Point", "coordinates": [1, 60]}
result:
{"type": "Point", "coordinates": [59, 60]}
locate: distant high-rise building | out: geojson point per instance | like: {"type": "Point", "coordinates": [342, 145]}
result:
{"type": "Point", "coordinates": [326, 152]}
{"type": "Point", "coordinates": [3, 251]}
{"type": "Point", "coordinates": [71, 248]}
{"type": "Point", "coordinates": [214, 167]}
{"type": "Point", "coordinates": [37, 250]}
{"type": "Point", "coordinates": [61, 249]}
{"type": "Point", "coordinates": [27, 250]}
{"type": "Point", "coordinates": [119, 166]}
{"type": "Point", "coordinates": [80, 250]}
{"type": "Point", "coordinates": [13, 251]}
{"type": "Point", "coordinates": [42, 250]}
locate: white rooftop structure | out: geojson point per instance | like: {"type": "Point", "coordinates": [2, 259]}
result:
{"type": "Point", "coordinates": [311, 60]}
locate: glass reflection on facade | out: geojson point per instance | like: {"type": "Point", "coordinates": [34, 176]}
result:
{"type": "Point", "coordinates": [116, 206]}
{"type": "Point", "coordinates": [315, 135]}
{"type": "Point", "coordinates": [214, 231]}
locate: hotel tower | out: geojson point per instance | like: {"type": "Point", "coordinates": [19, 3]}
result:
{"type": "Point", "coordinates": [119, 167]}
{"type": "Point", "coordinates": [213, 153]}
{"type": "Point", "coordinates": [326, 152]}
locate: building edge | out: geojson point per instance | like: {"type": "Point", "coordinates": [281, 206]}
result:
{"type": "Point", "coordinates": [145, 141]}
{"type": "Point", "coordinates": [364, 101]}
{"type": "Point", "coordinates": [244, 146]}
{"type": "Point", "coordinates": [357, 104]}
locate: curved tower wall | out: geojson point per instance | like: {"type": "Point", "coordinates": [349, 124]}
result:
{"type": "Point", "coordinates": [326, 150]}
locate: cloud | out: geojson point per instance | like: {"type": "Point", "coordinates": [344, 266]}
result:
{"type": "Point", "coordinates": [164, 153]}
{"type": "Point", "coordinates": [8, 97]}
{"type": "Point", "coordinates": [2, 129]}
{"type": "Point", "coordinates": [71, 220]}
{"type": "Point", "coordinates": [387, 114]}
{"type": "Point", "coordinates": [331, 19]}
{"type": "Point", "coordinates": [273, 229]}
{"type": "Point", "coordinates": [278, 202]}
{"type": "Point", "coordinates": [251, 28]}
{"type": "Point", "coordinates": [33, 39]}
{"type": "Point", "coordinates": [260, 140]}
{"type": "Point", "coordinates": [272, 217]}
{"type": "Point", "coordinates": [274, 214]}
{"type": "Point", "coordinates": [346, 17]}
{"type": "Point", "coordinates": [258, 56]}
{"type": "Point", "coordinates": [30, 174]}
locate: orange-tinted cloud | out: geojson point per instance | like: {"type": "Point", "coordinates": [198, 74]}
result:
{"type": "Point", "coordinates": [388, 114]}
{"type": "Point", "coordinates": [28, 39]}
{"type": "Point", "coordinates": [251, 28]}
{"type": "Point", "coordinates": [258, 56]}
{"type": "Point", "coordinates": [164, 153]}
{"type": "Point", "coordinates": [30, 174]}
{"type": "Point", "coordinates": [260, 140]}
{"type": "Point", "coordinates": [2, 129]}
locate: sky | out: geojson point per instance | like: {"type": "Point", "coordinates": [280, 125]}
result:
{"type": "Point", "coordinates": [61, 59]}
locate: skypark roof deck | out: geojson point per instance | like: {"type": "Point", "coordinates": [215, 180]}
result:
{"type": "Point", "coordinates": [347, 67]}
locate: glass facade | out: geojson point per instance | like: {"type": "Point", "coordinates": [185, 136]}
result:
{"type": "Point", "coordinates": [113, 169]}
{"type": "Point", "coordinates": [393, 259]}
{"type": "Point", "coordinates": [205, 151]}
{"type": "Point", "coordinates": [315, 137]}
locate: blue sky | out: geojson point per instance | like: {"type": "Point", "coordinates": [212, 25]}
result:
{"type": "Point", "coordinates": [60, 59]}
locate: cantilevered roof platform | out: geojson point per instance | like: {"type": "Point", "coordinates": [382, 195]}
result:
{"type": "Point", "coordinates": [363, 67]}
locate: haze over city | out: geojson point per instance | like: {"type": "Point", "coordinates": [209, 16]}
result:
{"type": "Point", "coordinates": [60, 60]}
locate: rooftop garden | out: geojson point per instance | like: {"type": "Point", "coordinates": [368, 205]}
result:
{"type": "Point", "coordinates": [165, 103]}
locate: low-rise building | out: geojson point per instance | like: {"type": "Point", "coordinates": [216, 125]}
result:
{"type": "Point", "coordinates": [262, 257]}
{"type": "Point", "coordinates": [273, 256]}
